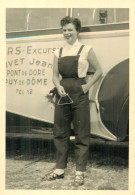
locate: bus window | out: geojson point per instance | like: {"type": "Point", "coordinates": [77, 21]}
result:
{"type": "Point", "coordinates": [95, 16]}
{"type": "Point", "coordinates": [24, 19]}
{"type": "Point", "coordinates": [21, 22]}
{"type": "Point", "coordinates": [122, 14]}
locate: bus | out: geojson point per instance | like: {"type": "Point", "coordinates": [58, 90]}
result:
{"type": "Point", "coordinates": [32, 36]}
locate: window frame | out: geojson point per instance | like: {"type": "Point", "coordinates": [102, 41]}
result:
{"type": "Point", "coordinates": [69, 12]}
{"type": "Point", "coordinates": [89, 25]}
{"type": "Point", "coordinates": [46, 29]}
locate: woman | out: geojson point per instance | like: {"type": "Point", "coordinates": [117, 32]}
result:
{"type": "Point", "coordinates": [71, 62]}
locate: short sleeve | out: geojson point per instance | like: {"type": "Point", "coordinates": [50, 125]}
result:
{"type": "Point", "coordinates": [56, 53]}
{"type": "Point", "coordinates": [87, 49]}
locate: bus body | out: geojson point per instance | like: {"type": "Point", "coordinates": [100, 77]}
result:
{"type": "Point", "coordinates": [29, 71]}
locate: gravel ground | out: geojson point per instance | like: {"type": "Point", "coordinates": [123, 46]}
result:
{"type": "Point", "coordinates": [29, 160]}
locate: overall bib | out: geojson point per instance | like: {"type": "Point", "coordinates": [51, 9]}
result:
{"type": "Point", "coordinates": [78, 112]}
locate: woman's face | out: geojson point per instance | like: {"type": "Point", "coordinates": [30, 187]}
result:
{"type": "Point", "coordinates": [70, 33]}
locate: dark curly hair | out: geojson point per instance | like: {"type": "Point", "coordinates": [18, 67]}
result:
{"type": "Point", "coordinates": [75, 21]}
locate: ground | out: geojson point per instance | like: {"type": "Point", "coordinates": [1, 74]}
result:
{"type": "Point", "coordinates": [28, 160]}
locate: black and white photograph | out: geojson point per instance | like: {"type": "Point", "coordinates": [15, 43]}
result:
{"type": "Point", "coordinates": [67, 99]}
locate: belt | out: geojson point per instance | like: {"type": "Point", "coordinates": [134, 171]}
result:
{"type": "Point", "coordinates": [73, 78]}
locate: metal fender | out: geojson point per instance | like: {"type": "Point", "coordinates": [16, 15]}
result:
{"type": "Point", "coordinates": [113, 100]}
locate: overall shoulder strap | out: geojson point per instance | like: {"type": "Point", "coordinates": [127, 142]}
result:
{"type": "Point", "coordinates": [80, 49]}
{"type": "Point", "coordinates": [60, 52]}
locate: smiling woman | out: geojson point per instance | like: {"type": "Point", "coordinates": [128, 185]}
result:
{"type": "Point", "coordinates": [71, 62]}
{"type": "Point", "coordinates": [34, 37]}
{"type": "Point", "coordinates": [70, 33]}
{"type": "Point", "coordinates": [71, 28]}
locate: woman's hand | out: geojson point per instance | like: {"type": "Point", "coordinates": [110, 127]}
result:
{"type": "Point", "coordinates": [61, 91]}
{"type": "Point", "coordinates": [85, 88]}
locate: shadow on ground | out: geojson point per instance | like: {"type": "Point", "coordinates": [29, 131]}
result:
{"type": "Point", "coordinates": [34, 158]}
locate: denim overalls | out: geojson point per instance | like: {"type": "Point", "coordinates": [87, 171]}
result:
{"type": "Point", "coordinates": [78, 112]}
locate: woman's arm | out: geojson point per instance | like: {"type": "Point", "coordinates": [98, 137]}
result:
{"type": "Point", "coordinates": [98, 72]}
{"type": "Point", "coordinates": [56, 80]}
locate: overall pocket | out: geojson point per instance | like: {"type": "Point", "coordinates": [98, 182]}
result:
{"type": "Point", "coordinates": [82, 82]}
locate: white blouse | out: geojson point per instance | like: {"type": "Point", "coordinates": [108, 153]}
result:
{"type": "Point", "coordinates": [83, 63]}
